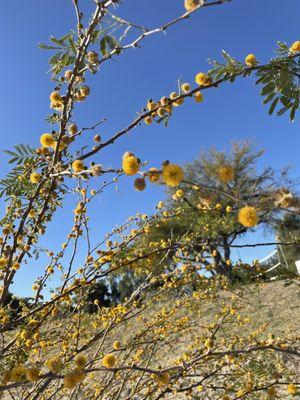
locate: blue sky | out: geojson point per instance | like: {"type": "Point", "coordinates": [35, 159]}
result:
{"type": "Point", "coordinates": [232, 112]}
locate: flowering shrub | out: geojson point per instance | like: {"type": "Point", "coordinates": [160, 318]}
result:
{"type": "Point", "coordinates": [52, 347]}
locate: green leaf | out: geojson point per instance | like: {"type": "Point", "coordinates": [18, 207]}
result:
{"type": "Point", "coordinates": [55, 58]}
{"type": "Point", "coordinates": [285, 101]}
{"type": "Point", "coordinates": [108, 43]}
{"type": "Point", "coordinates": [273, 105]}
{"type": "Point", "coordinates": [293, 110]}
{"type": "Point", "coordinates": [269, 98]}
{"type": "Point", "coordinates": [269, 88]}
{"type": "Point", "coordinates": [47, 47]}
{"type": "Point", "coordinates": [72, 44]}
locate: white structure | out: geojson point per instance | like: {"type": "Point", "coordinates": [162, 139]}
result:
{"type": "Point", "coordinates": [298, 266]}
{"type": "Point", "coordinates": [276, 252]}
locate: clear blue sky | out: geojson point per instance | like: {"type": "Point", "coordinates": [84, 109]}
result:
{"type": "Point", "coordinates": [232, 112]}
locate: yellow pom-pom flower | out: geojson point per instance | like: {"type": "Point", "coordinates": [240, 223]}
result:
{"type": "Point", "coordinates": [226, 173]}
{"type": "Point", "coordinates": [291, 388]}
{"type": "Point", "coordinates": [47, 140]}
{"type": "Point", "coordinates": [185, 87]}
{"type": "Point", "coordinates": [153, 175]}
{"type": "Point", "coordinates": [56, 100]}
{"type": "Point", "coordinates": [18, 373]}
{"type": "Point", "coordinates": [190, 5]}
{"type": "Point", "coordinates": [54, 364]}
{"type": "Point", "coordinates": [16, 265]}
{"type": "Point", "coordinates": [251, 60]}
{"type": "Point", "coordinates": [163, 378]}
{"type": "Point", "coordinates": [179, 193]}
{"type": "Point", "coordinates": [61, 146]}
{"type": "Point", "coordinates": [80, 361]}
{"type": "Point", "coordinates": [248, 216]}
{"type": "Point", "coordinates": [148, 120]}
{"type": "Point", "coordinates": [116, 345]}
{"type": "Point", "coordinates": [295, 47]}
{"type": "Point", "coordinates": [35, 177]}
{"type": "Point", "coordinates": [202, 79]}
{"type": "Point", "coordinates": [109, 361]}
{"type": "Point", "coordinates": [33, 374]}
{"type": "Point", "coordinates": [178, 102]}
{"type": "Point", "coordinates": [198, 97]}
{"type": "Point", "coordinates": [140, 184]}
{"type": "Point", "coordinates": [3, 262]}
{"type": "Point", "coordinates": [172, 175]}
{"type": "Point", "coordinates": [77, 166]}
{"type": "Point", "coordinates": [73, 378]}
{"type": "Point", "coordinates": [130, 165]}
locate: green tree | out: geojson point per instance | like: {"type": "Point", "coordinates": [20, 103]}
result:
{"type": "Point", "coordinates": [206, 209]}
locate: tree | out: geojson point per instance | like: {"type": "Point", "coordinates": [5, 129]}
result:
{"type": "Point", "coordinates": [119, 351]}
{"type": "Point", "coordinates": [204, 210]}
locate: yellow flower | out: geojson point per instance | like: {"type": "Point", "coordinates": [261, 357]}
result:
{"type": "Point", "coordinates": [228, 209]}
{"type": "Point", "coordinates": [16, 265]}
{"type": "Point", "coordinates": [47, 140]}
{"type": "Point", "coordinates": [3, 262]}
{"type": "Point", "coordinates": [248, 216]}
{"type": "Point", "coordinates": [61, 146]}
{"type": "Point", "coordinates": [153, 175]}
{"type": "Point", "coordinates": [33, 374]}
{"type": "Point", "coordinates": [291, 388]}
{"type": "Point", "coordinates": [72, 128]}
{"type": "Point", "coordinates": [85, 91]}
{"type": "Point", "coordinates": [198, 97]}
{"type": "Point", "coordinates": [226, 173]}
{"type": "Point", "coordinates": [251, 60]}
{"type": "Point", "coordinates": [140, 184]}
{"type": "Point", "coordinates": [161, 112]}
{"type": "Point", "coordinates": [56, 100]}
{"type": "Point", "coordinates": [116, 345]}
{"type": "Point", "coordinates": [80, 361]}
{"type": "Point", "coordinates": [54, 364]}
{"type": "Point", "coordinates": [68, 75]}
{"type": "Point", "coordinates": [18, 373]}
{"type": "Point", "coordinates": [202, 79]}
{"type": "Point", "coordinates": [190, 5]}
{"type": "Point", "coordinates": [151, 105]}
{"type": "Point", "coordinates": [185, 87]}
{"type": "Point", "coordinates": [35, 287]}
{"type": "Point", "coordinates": [295, 47]}
{"type": "Point", "coordinates": [178, 102]}
{"type": "Point", "coordinates": [109, 361]}
{"type": "Point", "coordinates": [77, 166]}
{"type": "Point", "coordinates": [172, 175]}
{"type": "Point", "coordinates": [35, 177]}
{"type": "Point", "coordinates": [163, 378]}
{"type": "Point", "coordinates": [160, 205]}
{"type": "Point", "coordinates": [73, 378]}
{"type": "Point", "coordinates": [148, 120]}
{"type": "Point", "coordinates": [179, 193]}
{"type": "Point", "coordinates": [130, 165]}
